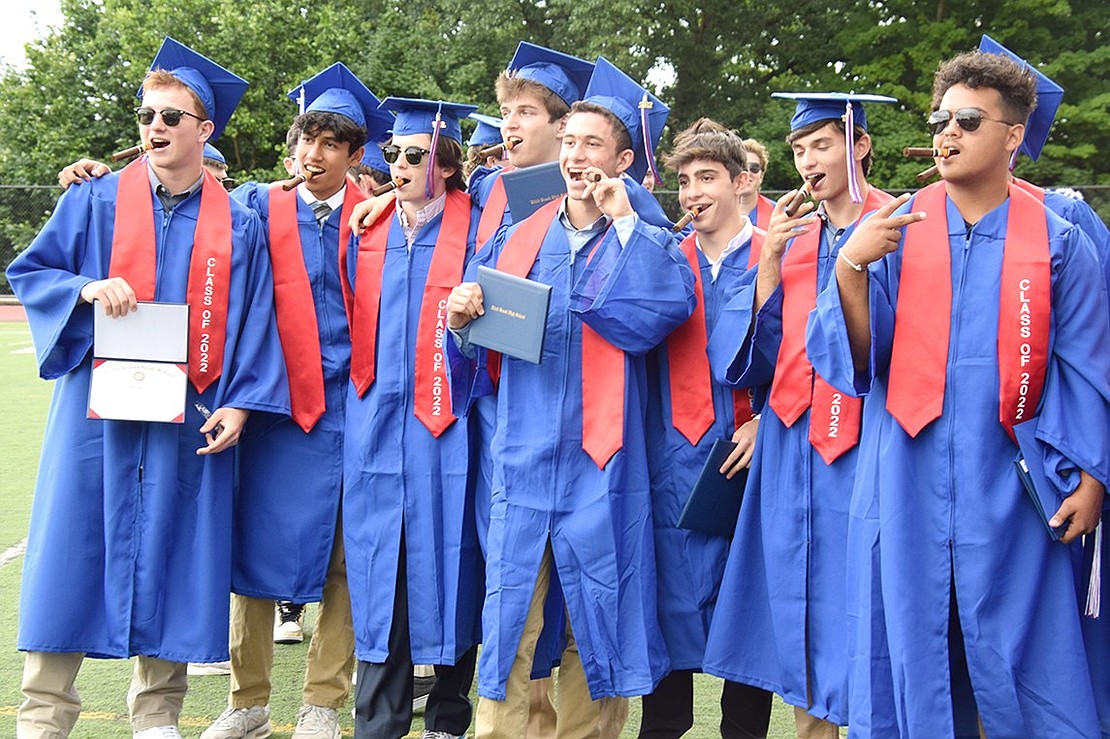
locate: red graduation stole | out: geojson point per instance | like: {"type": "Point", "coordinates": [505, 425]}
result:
{"type": "Point", "coordinates": [293, 303]}
{"type": "Point", "coordinates": [763, 207]}
{"type": "Point", "coordinates": [431, 400]}
{"type": "Point", "coordinates": [919, 356]}
{"type": "Point", "coordinates": [688, 364]}
{"type": "Point", "coordinates": [833, 416]}
{"type": "Point", "coordinates": [493, 212]}
{"type": "Point", "coordinates": [602, 363]}
{"type": "Point", "coordinates": [133, 258]}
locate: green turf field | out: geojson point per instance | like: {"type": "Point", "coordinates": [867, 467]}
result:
{"type": "Point", "coordinates": [103, 683]}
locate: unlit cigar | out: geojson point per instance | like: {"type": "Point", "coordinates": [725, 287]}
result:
{"type": "Point", "coordinates": [928, 174]}
{"type": "Point", "coordinates": [688, 218]}
{"type": "Point", "coordinates": [131, 153]}
{"type": "Point", "coordinates": [300, 177]}
{"type": "Point", "coordinates": [803, 193]}
{"type": "Point", "coordinates": [498, 149]}
{"type": "Point", "coordinates": [928, 152]}
{"type": "Point", "coordinates": [390, 186]}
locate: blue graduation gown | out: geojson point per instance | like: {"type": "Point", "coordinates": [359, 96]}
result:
{"type": "Point", "coordinates": [689, 564]}
{"type": "Point", "coordinates": [404, 487]}
{"type": "Point", "coordinates": [287, 501]}
{"type": "Point", "coordinates": [130, 537]}
{"type": "Point", "coordinates": [952, 518]}
{"type": "Point", "coordinates": [784, 583]}
{"type": "Point", "coordinates": [546, 488]}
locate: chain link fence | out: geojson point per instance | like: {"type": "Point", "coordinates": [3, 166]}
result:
{"type": "Point", "coordinates": [24, 209]}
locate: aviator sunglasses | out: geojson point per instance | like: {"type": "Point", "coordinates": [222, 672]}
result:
{"type": "Point", "coordinates": [170, 116]}
{"type": "Point", "coordinates": [413, 154]}
{"type": "Point", "coordinates": [969, 119]}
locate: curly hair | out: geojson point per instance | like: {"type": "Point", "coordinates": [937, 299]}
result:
{"type": "Point", "coordinates": [1016, 85]}
{"type": "Point", "coordinates": [706, 139]}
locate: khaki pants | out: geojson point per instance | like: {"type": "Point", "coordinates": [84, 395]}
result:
{"type": "Point", "coordinates": [331, 653]}
{"type": "Point", "coordinates": [576, 715]}
{"type": "Point", "coordinates": [51, 703]}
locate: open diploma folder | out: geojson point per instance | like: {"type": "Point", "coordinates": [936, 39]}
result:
{"type": "Point", "coordinates": [714, 503]}
{"type": "Point", "coordinates": [530, 188]}
{"type": "Point", "coordinates": [1030, 468]}
{"type": "Point", "coordinates": [515, 320]}
{"type": "Point", "coordinates": [139, 364]}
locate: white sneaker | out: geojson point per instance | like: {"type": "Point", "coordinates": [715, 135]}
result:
{"type": "Point", "coordinates": [199, 669]}
{"type": "Point", "coordinates": [317, 722]}
{"type": "Point", "coordinates": [240, 723]}
{"type": "Point", "coordinates": [289, 623]}
{"type": "Point", "coordinates": [429, 734]}
{"type": "Point", "coordinates": [158, 732]}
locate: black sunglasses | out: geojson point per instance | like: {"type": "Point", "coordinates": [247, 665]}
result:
{"type": "Point", "coordinates": [755, 167]}
{"type": "Point", "coordinates": [228, 183]}
{"type": "Point", "coordinates": [170, 116]}
{"type": "Point", "coordinates": [413, 154]}
{"type": "Point", "coordinates": [968, 119]}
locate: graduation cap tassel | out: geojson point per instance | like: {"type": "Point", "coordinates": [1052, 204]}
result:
{"type": "Point", "coordinates": [645, 106]}
{"type": "Point", "coordinates": [1013, 158]}
{"type": "Point", "coordinates": [1094, 585]}
{"type": "Point", "coordinates": [849, 146]}
{"type": "Point", "coordinates": [429, 182]}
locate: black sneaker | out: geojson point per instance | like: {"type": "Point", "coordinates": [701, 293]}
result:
{"type": "Point", "coordinates": [289, 623]}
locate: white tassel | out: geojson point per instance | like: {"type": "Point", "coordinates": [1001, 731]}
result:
{"type": "Point", "coordinates": [1094, 587]}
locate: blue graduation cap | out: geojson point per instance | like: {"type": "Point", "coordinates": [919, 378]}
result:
{"type": "Point", "coordinates": [338, 90]}
{"type": "Point", "coordinates": [372, 158]}
{"type": "Point", "coordinates": [565, 75]}
{"type": "Point", "coordinates": [643, 114]}
{"type": "Point", "coordinates": [814, 107]}
{"type": "Point", "coordinates": [211, 152]}
{"type": "Point", "coordinates": [218, 89]}
{"type": "Point", "coordinates": [1049, 96]}
{"type": "Point", "coordinates": [487, 132]}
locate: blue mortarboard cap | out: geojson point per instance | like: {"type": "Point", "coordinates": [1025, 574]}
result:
{"type": "Point", "coordinates": [1049, 96]}
{"type": "Point", "coordinates": [372, 158]}
{"type": "Point", "coordinates": [218, 89]}
{"type": "Point", "coordinates": [338, 90]}
{"type": "Point", "coordinates": [565, 75]}
{"type": "Point", "coordinates": [634, 106]}
{"type": "Point", "coordinates": [211, 152]}
{"type": "Point", "coordinates": [487, 132]}
{"type": "Point", "coordinates": [823, 106]}
{"type": "Point", "coordinates": [418, 116]}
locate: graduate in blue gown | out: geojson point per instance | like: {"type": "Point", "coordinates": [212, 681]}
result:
{"type": "Point", "coordinates": [785, 579]}
{"type": "Point", "coordinates": [971, 582]}
{"type": "Point", "coordinates": [687, 413]}
{"type": "Point", "coordinates": [414, 566]}
{"type": "Point", "coordinates": [131, 525]}
{"type": "Point", "coordinates": [586, 514]}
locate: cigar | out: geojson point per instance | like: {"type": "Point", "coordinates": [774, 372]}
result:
{"type": "Point", "coordinates": [921, 151]}
{"type": "Point", "coordinates": [688, 218]}
{"type": "Point", "coordinates": [131, 153]}
{"type": "Point", "coordinates": [595, 178]}
{"type": "Point", "coordinates": [928, 174]}
{"type": "Point", "coordinates": [498, 149]}
{"type": "Point", "coordinates": [803, 193]}
{"type": "Point", "coordinates": [298, 179]}
{"type": "Point", "coordinates": [390, 186]}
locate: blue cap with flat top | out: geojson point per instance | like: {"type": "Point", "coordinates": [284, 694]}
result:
{"type": "Point", "coordinates": [565, 75]}
{"type": "Point", "coordinates": [211, 152]}
{"type": "Point", "coordinates": [814, 107]}
{"type": "Point", "coordinates": [1049, 96]}
{"type": "Point", "coordinates": [337, 90]}
{"type": "Point", "coordinates": [372, 157]}
{"type": "Point", "coordinates": [643, 114]}
{"type": "Point", "coordinates": [419, 116]}
{"type": "Point", "coordinates": [487, 132]}
{"type": "Point", "coordinates": [219, 90]}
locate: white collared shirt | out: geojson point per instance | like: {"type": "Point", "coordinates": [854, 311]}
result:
{"type": "Point", "coordinates": [733, 244]}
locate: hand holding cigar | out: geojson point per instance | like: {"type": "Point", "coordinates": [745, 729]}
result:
{"type": "Point", "coordinates": [804, 192]}
{"type": "Point", "coordinates": [688, 217]}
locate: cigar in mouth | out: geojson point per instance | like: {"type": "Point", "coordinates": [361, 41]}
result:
{"type": "Point", "coordinates": [131, 153]}
{"type": "Point", "coordinates": [688, 217]}
{"type": "Point", "coordinates": [925, 152]}
{"type": "Point", "coordinates": [390, 186]}
{"type": "Point", "coordinates": [298, 179]}
{"type": "Point", "coordinates": [498, 149]}
{"type": "Point", "coordinates": [803, 193]}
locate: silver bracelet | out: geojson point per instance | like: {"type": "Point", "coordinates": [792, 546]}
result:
{"type": "Point", "coordinates": [849, 262]}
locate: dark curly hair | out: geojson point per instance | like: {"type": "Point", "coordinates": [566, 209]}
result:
{"type": "Point", "coordinates": [1016, 85]}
